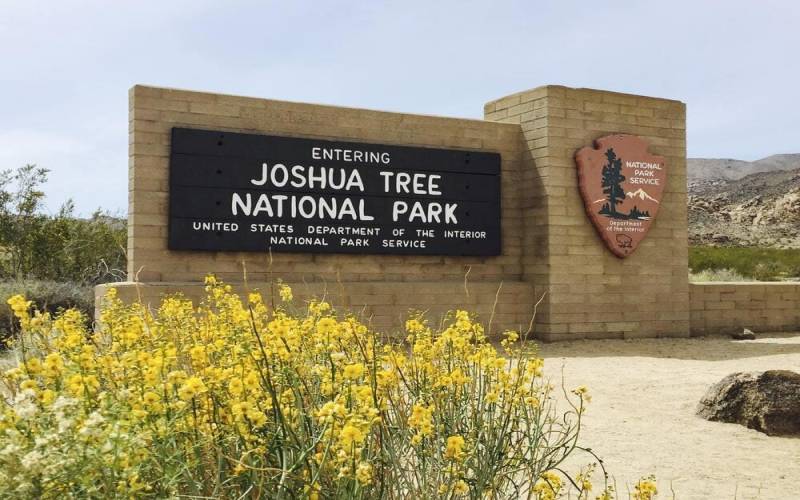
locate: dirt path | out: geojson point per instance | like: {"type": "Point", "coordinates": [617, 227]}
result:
{"type": "Point", "coordinates": [642, 420]}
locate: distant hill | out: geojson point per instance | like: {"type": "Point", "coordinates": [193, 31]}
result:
{"type": "Point", "coordinates": [727, 169]}
{"type": "Point", "coordinates": [735, 202]}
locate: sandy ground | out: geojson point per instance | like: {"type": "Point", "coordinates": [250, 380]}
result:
{"type": "Point", "coordinates": [641, 419]}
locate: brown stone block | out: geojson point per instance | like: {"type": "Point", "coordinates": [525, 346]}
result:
{"type": "Point", "coordinates": [587, 327]}
{"type": "Point", "coordinates": [602, 106]}
{"type": "Point", "coordinates": [213, 108]}
{"type": "Point", "coordinates": [622, 326]}
{"type": "Point", "coordinates": [137, 113]}
{"type": "Point", "coordinates": [147, 102]}
{"type": "Point", "coordinates": [636, 110]}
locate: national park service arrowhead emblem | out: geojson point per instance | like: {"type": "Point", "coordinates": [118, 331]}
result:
{"type": "Point", "coordinates": [621, 184]}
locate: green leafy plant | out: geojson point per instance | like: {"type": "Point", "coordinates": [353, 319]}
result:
{"type": "Point", "coordinates": [764, 264]}
{"type": "Point", "coordinates": [60, 247]}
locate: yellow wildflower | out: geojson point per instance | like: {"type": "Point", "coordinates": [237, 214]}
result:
{"type": "Point", "coordinates": [364, 473]}
{"type": "Point", "coordinates": [454, 450]}
{"type": "Point", "coordinates": [645, 489]}
{"type": "Point", "coordinates": [257, 418]}
{"type": "Point", "coordinates": [285, 292]}
{"type": "Point", "coordinates": [192, 387]}
{"type": "Point", "coordinates": [582, 392]}
{"type": "Point", "coordinates": [150, 398]}
{"type": "Point", "coordinates": [235, 386]}
{"type": "Point", "coordinates": [20, 307]}
{"type": "Point", "coordinates": [353, 371]}
{"type": "Point", "coordinates": [460, 487]}
{"type": "Point", "coordinates": [351, 435]}
{"type": "Point", "coordinates": [547, 486]}
{"type": "Point", "coordinates": [421, 419]}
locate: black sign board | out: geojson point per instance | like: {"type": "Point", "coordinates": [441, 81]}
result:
{"type": "Point", "coordinates": [245, 192]}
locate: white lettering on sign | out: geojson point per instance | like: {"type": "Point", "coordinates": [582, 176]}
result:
{"type": "Point", "coordinates": [403, 243]}
{"type": "Point", "coordinates": [425, 213]}
{"type": "Point", "coordinates": [643, 173]}
{"type": "Point", "coordinates": [642, 164]}
{"type": "Point", "coordinates": [307, 207]}
{"type": "Point", "coordinates": [215, 226]}
{"type": "Point", "coordinates": [313, 178]}
{"type": "Point", "coordinates": [464, 235]}
{"type": "Point", "coordinates": [411, 184]}
{"type": "Point", "coordinates": [350, 155]}
{"type": "Point", "coordinates": [298, 240]}
{"type": "Point", "coordinates": [641, 180]}
{"type": "Point", "coordinates": [360, 231]}
{"type": "Point", "coordinates": [271, 228]}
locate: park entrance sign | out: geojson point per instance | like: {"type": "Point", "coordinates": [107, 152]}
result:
{"type": "Point", "coordinates": [622, 185]}
{"type": "Point", "coordinates": [245, 192]}
{"type": "Point", "coordinates": [383, 213]}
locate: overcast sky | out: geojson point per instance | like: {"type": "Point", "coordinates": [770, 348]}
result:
{"type": "Point", "coordinates": [66, 67]}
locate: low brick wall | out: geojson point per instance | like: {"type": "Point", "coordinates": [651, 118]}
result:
{"type": "Point", "coordinates": [727, 307]}
{"type": "Point", "coordinates": [716, 308]}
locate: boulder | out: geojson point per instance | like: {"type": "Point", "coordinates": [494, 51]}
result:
{"type": "Point", "coordinates": [745, 334]}
{"type": "Point", "coordinates": [720, 238]}
{"type": "Point", "coordinates": [765, 401]}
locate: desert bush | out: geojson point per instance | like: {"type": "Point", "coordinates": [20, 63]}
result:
{"type": "Point", "coordinates": [765, 264]}
{"type": "Point", "coordinates": [233, 398]}
{"type": "Point", "coordinates": [47, 296]}
{"type": "Point", "coordinates": [716, 275]}
{"type": "Point", "coordinates": [60, 247]}
{"type": "Point", "coordinates": [767, 271]}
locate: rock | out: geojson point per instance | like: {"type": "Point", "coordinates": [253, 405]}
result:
{"type": "Point", "coordinates": [720, 238]}
{"type": "Point", "coordinates": [745, 334]}
{"type": "Point", "coordinates": [762, 208]}
{"type": "Point", "coordinates": [768, 402]}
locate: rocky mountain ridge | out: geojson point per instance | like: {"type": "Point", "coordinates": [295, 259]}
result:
{"type": "Point", "coordinates": [734, 202]}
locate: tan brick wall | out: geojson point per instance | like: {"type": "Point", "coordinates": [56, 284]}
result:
{"type": "Point", "coordinates": [590, 292]}
{"type": "Point", "coordinates": [727, 307]}
{"type": "Point", "coordinates": [153, 113]}
{"type": "Point", "coordinates": [426, 282]}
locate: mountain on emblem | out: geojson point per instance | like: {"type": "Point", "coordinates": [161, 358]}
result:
{"type": "Point", "coordinates": [614, 173]}
{"type": "Point", "coordinates": [641, 194]}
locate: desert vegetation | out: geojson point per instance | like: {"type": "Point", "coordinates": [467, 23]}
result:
{"type": "Point", "coordinates": [712, 263]}
{"type": "Point", "coordinates": [53, 259]}
{"type": "Point", "coordinates": [256, 397]}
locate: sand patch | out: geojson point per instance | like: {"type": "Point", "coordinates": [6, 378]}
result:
{"type": "Point", "coordinates": [642, 418]}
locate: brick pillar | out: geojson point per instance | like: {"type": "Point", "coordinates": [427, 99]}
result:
{"type": "Point", "coordinates": [590, 292]}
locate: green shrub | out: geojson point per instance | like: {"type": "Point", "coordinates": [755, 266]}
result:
{"type": "Point", "coordinates": [47, 296]}
{"type": "Point", "coordinates": [764, 264]}
{"type": "Point", "coordinates": [60, 247]}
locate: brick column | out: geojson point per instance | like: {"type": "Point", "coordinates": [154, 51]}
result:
{"type": "Point", "coordinates": [590, 292]}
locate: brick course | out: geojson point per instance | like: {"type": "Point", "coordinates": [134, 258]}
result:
{"type": "Point", "coordinates": [719, 308]}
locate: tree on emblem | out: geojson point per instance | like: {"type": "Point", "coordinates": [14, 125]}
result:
{"type": "Point", "coordinates": [612, 185]}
